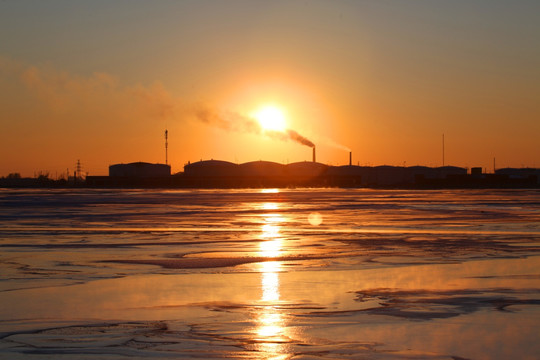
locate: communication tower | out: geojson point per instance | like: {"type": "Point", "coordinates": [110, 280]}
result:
{"type": "Point", "coordinates": [166, 147]}
{"type": "Point", "coordinates": [442, 149]}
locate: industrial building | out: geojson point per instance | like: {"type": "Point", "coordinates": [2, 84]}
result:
{"type": "Point", "coordinates": [215, 173]}
{"type": "Point", "coordinates": [137, 174]}
{"type": "Point", "coordinates": [530, 174]}
{"type": "Point", "coordinates": [139, 170]}
{"type": "Point", "coordinates": [260, 174]}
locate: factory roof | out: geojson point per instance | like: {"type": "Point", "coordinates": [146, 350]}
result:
{"type": "Point", "coordinates": [211, 168]}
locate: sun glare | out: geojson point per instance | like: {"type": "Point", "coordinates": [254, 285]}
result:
{"type": "Point", "coordinates": [271, 118]}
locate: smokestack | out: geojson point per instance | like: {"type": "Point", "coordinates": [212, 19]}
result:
{"type": "Point", "coordinates": [313, 153]}
{"type": "Point", "coordinates": [350, 158]}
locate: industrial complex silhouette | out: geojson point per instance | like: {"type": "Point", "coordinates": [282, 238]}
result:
{"type": "Point", "coordinates": [260, 174]}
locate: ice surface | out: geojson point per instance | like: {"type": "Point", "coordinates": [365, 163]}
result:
{"type": "Point", "coordinates": [102, 274]}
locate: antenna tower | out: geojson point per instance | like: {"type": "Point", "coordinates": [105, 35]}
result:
{"type": "Point", "coordinates": [166, 147]}
{"type": "Point", "coordinates": [442, 149]}
{"type": "Point", "coordinates": [78, 171]}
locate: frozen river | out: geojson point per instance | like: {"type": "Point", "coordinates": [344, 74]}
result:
{"type": "Point", "coordinates": [270, 274]}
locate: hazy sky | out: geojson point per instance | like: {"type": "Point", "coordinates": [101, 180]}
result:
{"type": "Point", "coordinates": [100, 81]}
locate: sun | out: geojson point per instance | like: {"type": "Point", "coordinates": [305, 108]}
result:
{"type": "Point", "coordinates": [271, 118]}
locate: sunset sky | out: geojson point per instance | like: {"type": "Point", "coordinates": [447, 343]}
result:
{"type": "Point", "coordinates": [100, 81]}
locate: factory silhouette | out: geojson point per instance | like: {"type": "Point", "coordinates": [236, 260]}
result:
{"type": "Point", "coordinates": [263, 174]}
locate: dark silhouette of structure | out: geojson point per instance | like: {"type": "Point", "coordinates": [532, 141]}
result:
{"type": "Point", "coordinates": [261, 174]}
{"type": "Point", "coordinates": [140, 170]}
{"type": "Point", "coordinates": [137, 174]}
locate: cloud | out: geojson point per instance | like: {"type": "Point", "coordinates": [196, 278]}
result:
{"type": "Point", "coordinates": [102, 98]}
{"type": "Point", "coordinates": [98, 95]}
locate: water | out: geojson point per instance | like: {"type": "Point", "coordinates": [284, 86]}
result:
{"type": "Point", "coordinates": [270, 274]}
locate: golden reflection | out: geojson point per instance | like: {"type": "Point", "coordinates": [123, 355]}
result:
{"type": "Point", "coordinates": [271, 331]}
{"type": "Point", "coordinates": [270, 206]}
{"type": "Point", "coordinates": [273, 219]}
{"type": "Point", "coordinates": [271, 326]}
{"type": "Point", "coordinates": [269, 232]}
{"type": "Point", "coordinates": [270, 281]}
{"type": "Point", "coordinates": [270, 191]}
{"type": "Point", "coordinates": [270, 249]}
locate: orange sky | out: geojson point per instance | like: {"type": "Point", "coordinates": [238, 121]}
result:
{"type": "Point", "coordinates": [100, 82]}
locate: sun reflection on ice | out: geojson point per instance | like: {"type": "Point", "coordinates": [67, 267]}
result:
{"type": "Point", "coordinates": [270, 206]}
{"type": "Point", "coordinates": [273, 219]}
{"type": "Point", "coordinates": [270, 281]}
{"type": "Point", "coordinates": [271, 332]}
{"type": "Point", "coordinates": [268, 232]}
{"type": "Point", "coordinates": [270, 191]}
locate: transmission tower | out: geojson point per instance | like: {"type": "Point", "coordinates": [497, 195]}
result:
{"type": "Point", "coordinates": [78, 171]}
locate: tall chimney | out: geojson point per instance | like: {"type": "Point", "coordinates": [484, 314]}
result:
{"type": "Point", "coordinates": [313, 153]}
{"type": "Point", "coordinates": [350, 158]}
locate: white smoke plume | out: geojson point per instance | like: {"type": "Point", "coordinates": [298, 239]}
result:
{"type": "Point", "coordinates": [332, 143]}
{"type": "Point", "coordinates": [232, 121]}
{"type": "Point", "coordinates": [101, 99]}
